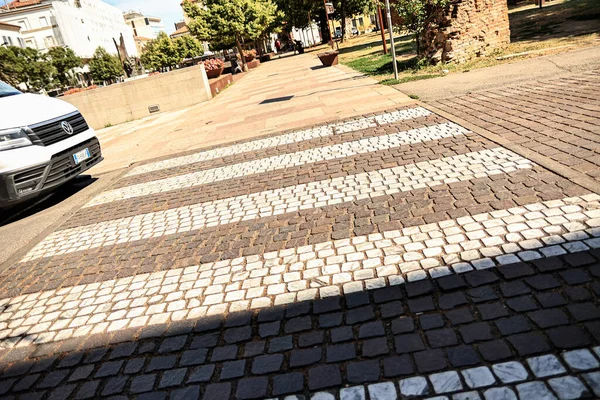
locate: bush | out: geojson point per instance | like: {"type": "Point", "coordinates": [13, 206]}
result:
{"type": "Point", "coordinates": [213, 64]}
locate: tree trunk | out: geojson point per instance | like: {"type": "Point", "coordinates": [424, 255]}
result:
{"type": "Point", "coordinates": [343, 13]}
{"type": "Point", "coordinates": [241, 51]}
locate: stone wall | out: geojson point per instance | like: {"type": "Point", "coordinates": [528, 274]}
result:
{"type": "Point", "coordinates": [131, 100]}
{"type": "Point", "coordinates": [467, 29]}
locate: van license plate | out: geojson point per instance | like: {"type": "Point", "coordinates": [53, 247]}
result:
{"type": "Point", "coordinates": [81, 156]}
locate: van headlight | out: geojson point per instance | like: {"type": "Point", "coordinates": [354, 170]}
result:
{"type": "Point", "coordinates": [13, 138]}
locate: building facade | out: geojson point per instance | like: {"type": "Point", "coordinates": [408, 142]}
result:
{"type": "Point", "coordinates": [10, 35]}
{"type": "Point", "coordinates": [144, 28]}
{"type": "Point", "coordinates": [82, 25]}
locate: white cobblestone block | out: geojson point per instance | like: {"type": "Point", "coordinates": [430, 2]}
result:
{"type": "Point", "coordinates": [544, 366]}
{"type": "Point", "coordinates": [478, 377]}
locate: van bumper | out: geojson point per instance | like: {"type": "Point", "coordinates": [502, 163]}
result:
{"type": "Point", "coordinates": [25, 183]}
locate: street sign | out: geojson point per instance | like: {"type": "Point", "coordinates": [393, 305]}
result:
{"type": "Point", "coordinates": [329, 7]}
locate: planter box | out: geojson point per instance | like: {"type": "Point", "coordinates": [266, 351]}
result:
{"type": "Point", "coordinates": [253, 64]}
{"type": "Point", "coordinates": [215, 73]}
{"type": "Point", "coordinates": [329, 58]}
{"type": "Point", "coordinates": [249, 58]}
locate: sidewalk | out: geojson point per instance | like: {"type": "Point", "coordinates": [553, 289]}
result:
{"type": "Point", "coordinates": [287, 93]}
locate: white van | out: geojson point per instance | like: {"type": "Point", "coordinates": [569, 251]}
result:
{"type": "Point", "coordinates": [44, 142]}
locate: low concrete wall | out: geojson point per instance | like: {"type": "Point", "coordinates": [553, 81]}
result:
{"type": "Point", "coordinates": [127, 101]}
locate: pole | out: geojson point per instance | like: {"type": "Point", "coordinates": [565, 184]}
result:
{"type": "Point", "coordinates": [380, 16]}
{"type": "Point", "coordinates": [312, 29]}
{"type": "Point", "coordinates": [391, 29]}
{"type": "Point", "coordinates": [327, 18]}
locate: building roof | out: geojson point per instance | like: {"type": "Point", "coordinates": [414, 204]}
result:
{"type": "Point", "coordinates": [20, 4]}
{"type": "Point", "coordinates": [181, 31]}
{"type": "Point", "coordinates": [9, 27]}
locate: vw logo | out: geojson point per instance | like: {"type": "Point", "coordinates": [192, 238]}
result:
{"type": "Point", "coordinates": [66, 127]}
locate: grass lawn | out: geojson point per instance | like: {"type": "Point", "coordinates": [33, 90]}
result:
{"type": "Point", "coordinates": [561, 25]}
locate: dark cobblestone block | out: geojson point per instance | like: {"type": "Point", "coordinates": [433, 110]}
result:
{"type": "Point", "coordinates": [594, 329]}
{"type": "Point", "coordinates": [408, 343]}
{"type": "Point", "coordinates": [568, 337]}
{"type": "Point", "coordinates": [81, 373]}
{"type": "Point", "coordinates": [114, 386]}
{"type": "Point", "coordinates": [361, 314]}
{"type": "Point", "coordinates": [584, 311]}
{"type": "Point", "coordinates": [70, 360]}
{"type": "Point", "coordinates": [495, 350]}
{"type": "Point", "coordinates": [363, 371]}
{"type": "Point", "coordinates": [233, 369]}
{"type": "Point", "coordinates": [297, 309]}
{"type": "Point", "coordinates": [109, 369]}
{"type": "Point", "coordinates": [402, 325]}
{"type": "Point", "coordinates": [551, 299]}
{"type": "Point", "coordinates": [279, 344]}
{"type": "Point", "coordinates": [371, 329]}
{"type": "Point", "coordinates": [236, 335]}
{"type": "Point", "coordinates": [517, 270]}
{"type": "Point", "coordinates": [269, 329]}
{"type": "Point", "coordinates": [451, 282]}
{"type": "Point", "coordinates": [419, 288]}
{"type": "Point", "coordinates": [207, 324]}
{"type": "Point", "coordinates": [522, 304]}
{"type": "Point", "coordinates": [147, 348]}
{"type": "Point", "coordinates": [422, 304]}
{"type": "Point", "coordinates": [441, 338]}
{"type": "Point", "coordinates": [578, 294]}
{"type": "Point", "coordinates": [123, 350]}
{"type": "Point", "coordinates": [87, 390]}
{"type": "Point", "coordinates": [224, 353]}
{"type": "Point", "coordinates": [26, 382]}
{"type": "Point", "coordinates": [43, 365]}
{"type": "Point", "coordinates": [298, 325]}
{"type": "Point", "coordinates": [193, 357]}
{"type": "Point", "coordinates": [549, 318]}
{"type": "Point", "coordinates": [271, 314]}
{"type": "Point", "coordinates": [186, 393]}
{"type": "Point", "coordinates": [579, 259]}
{"type": "Point", "coordinates": [397, 366]}
{"type": "Point", "coordinates": [330, 320]}
{"type": "Point", "coordinates": [512, 325]}
{"type": "Point", "coordinates": [387, 294]}
{"type": "Point", "coordinates": [158, 395]}
{"type": "Point", "coordinates": [375, 347]}
{"type": "Point", "coordinates": [575, 276]}
{"type": "Point", "coordinates": [205, 341]}
{"type": "Point", "coordinates": [252, 388]}
{"type": "Point", "coordinates": [134, 366]}
{"type": "Point", "coordinates": [482, 294]}
{"type": "Point", "coordinates": [542, 282]}
{"type": "Point", "coordinates": [430, 360]}
{"type": "Point", "coordinates": [514, 288]}
{"type": "Point", "coordinates": [142, 383]}
{"type": "Point", "coordinates": [324, 376]}
{"type": "Point", "coordinates": [480, 278]}
{"type": "Point", "coordinates": [288, 383]}
{"type": "Point", "coordinates": [461, 356]}
{"type": "Point", "coordinates": [301, 358]}
{"type": "Point", "coordinates": [326, 305]}
{"type": "Point", "coordinates": [53, 379]}
{"type": "Point", "coordinates": [529, 343]}
{"type": "Point", "coordinates": [460, 316]}
{"type": "Point", "coordinates": [172, 344]}
{"type": "Point", "coordinates": [311, 339]}
{"type": "Point", "coordinates": [242, 318]}
{"type": "Point", "coordinates": [161, 363]}
{"type": "Point", "coordinates": [201, 374]}
{"type": "Point", "coordinates": [341, 334]}
{"type": "Point", "coordinates": [340, 352]}
{"type": "Point", "coordinates": [357, 299]}
{"type": "Point", "coordinates": [549, 264]}
{"type": "Point", "coordinates": [492, 311]}
{"type": "Point", "coordinates": [217, 391]}
{"type": "Point", "coordinates": [62, 393]}
{"type": "Point", "coordinates": [254, 349]}
{"type": "Point", "coordinates": [452, 300]}
{"type": "Point", "coordinates": [5, 385]}
{"type": "Point", "coordinates": [267, 364]}
{"type": "Point", "coordinates": [476, 332]}
{"type": "Point", "coordinates": [391, 309]}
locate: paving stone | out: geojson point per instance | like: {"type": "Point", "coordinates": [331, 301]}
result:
{"type": "Point", "coordinates": [252, 388]}
{"type": "Point", "coordinates": [361, 314]}
{"type": "Point", "coordinates": [408, 343]}
{"type": "Point", "coordinates": [142, 383]}
{"type": "Point", "coordinates": [269, 329]}
{"type": "Point", "coordinates": [460, 316]}
{"type": "Point", "coordinates": [391, 309]}
{"type": "Point", "coordinates": [419, 288]}
{"type": "Point", "coordinates": [478, 377]}
{"type": "Point", "coordinates": [25, 383]}
{"type": "Point", "coordinates": [528, 343]}
{"type": "Point", "coordinates": [568, 387]}
{"type": "Point", "coordinates": [62, 393]}
{"type": "Point", "coordinates": [441, 338]}
{"type": "Point", "coordinates": [87, 390]}
{"type": "Point", "coordinates": [375, 347]}
{"type": "Point", "coordinates": [544, 366]}
{"type": "Point", "coordinates": [172, 344]}
{"type": "Point", "coordinates": [475, 332]}
{"type": "Point", "coordinates": [461, 356]}
{"type": "Point", "coordinates": [330, 320]}
{"type": "Point", "coordinates": [535, 390]}
{"type": "Point", "coordinates": [217, 391]}
{"type": "Point", "coordinates": [159, 363]}
{"type": "Point", "coordinates": [232, 369]}
{"type": "Point", "coordinates": [123, 350]}
{"type": "Point", "coordinates": [382, 391]}
{"type": "Point", "coordinates": [340, 352]}
{"type": "Point", "coordinates": [421, 304]}
{"type": "Point", "coordinates": [388, 294]}
{"type": "Point", "coordinates": [371, 329]}
{"type": "Point", "coordinates": [189, 392]}
{"type": "Point", "coordinates": [580, 360]}
{"type": "Point", "coordinates": [114, 385]}
{"type": "Point", "coordinates": [81, 373]}
{"type": "Point", "coordinates": [510, 372]}
{"type": "Point", "coordinates": [495, 350]}
{"type": "Point", "coordinates": [236, 335]}
{"type": "Point", "coordinates": [452, 300]}
{"type": "Point", "coordinates": [193, 357]}
{"type": "Point", "coordinates": [503, 393]}
{"type": "Point", "coordinates": [584, 311]}
{"type": "Point", "coordinates": [326, 305]}
{"type": "Point", "coordinates": [362, 371]}
{"type": "Point", "coordinates": [324, 376]}
{"type": "Point", "coordinates": [466, 396]}
{"type": "Point", "coordinates": [205, 341]}
{"type": "Point", "coordinates": [341, 334]}
{"type": "Point", "coordinates": [201, 374]}
{"type": "Point", "coordinates": [397, 366]}
{"type": "Point", "coordinates": [53, 379]}
{"type": "Point", "coordinates": [416, 386]}
{"type": "Point", "coordinates": [311, 339]}
{"type": "Point", "coordinates": [279, 344]}
{"type": "Point", "coordinates": [288, 383]}
{"type": "Point", "coordinates": [549, 318]}
{"type": "Point", "coordinates": [593, 380]}
{"type": "Point", "coordinates": [266, 364]}
{"type": "Point", "coordinates": [430, 361]}
{"type": "Point", "coordinates": [298, 324]}
{"type": "Point", "coordinates": [357, 299]}
{"type": "Point", "coordinates": [402, 325]}
{"type": "Point", "coordinates": [512, 325]}
{"type": "Point", "coordinates": [522, 304]}
{"type": "Point", "coordinates": [514, 288]}
{"type": "Point", "coordinates": [568, 337]}
{"type": "Point", "coordinates": [254, 349]}
{"type": "Point", "coordinates": [446, 382]}
{"type": "Point", "coordinates": [431, 321]}
{"type": "Point", "coordinates": [551, 299]}
{"type": "Point", "coordinates": [301, 358]}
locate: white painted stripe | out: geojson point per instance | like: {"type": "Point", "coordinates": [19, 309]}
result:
{"type": "Point", "coordinates": [280, 201]}
{"type": "Point", "coordinates": [281, 161]}
{"type": "Point", "coordinates": [298, 274]}
{"type": "Point", "coordinates": [293, 137]}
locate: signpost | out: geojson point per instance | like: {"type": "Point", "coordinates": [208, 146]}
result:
{"type": "Point", "coordinates": [379, 15]}
{"type": "Point", "coordinates": [391, 29]}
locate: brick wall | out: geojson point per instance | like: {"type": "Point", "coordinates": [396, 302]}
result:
{"type": "Point", "coordinates": [468, 29]}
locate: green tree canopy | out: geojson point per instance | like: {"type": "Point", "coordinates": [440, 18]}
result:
{"type": "Point", "coordinates": [296, 11]}
{"type": "Point", "coordinates": [27, 66]}
{"type": "Point", "coordinates": [232, 21]}
{"type": "Point", "coordinates": [418, 16]}
{"type": "Point", "coordinates": [104, 66]}
{"type": "Point", "coordinates": [63, 60]}
{"type": "Point", "coordinates": [350, 8]}
{"type": "Point", "coordinates": [164, 52]}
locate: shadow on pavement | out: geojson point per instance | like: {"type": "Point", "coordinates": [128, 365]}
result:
{"type": "Point", "coordinates": [36, 205]}
{"type": "Point", "coordinates": [455, 322]}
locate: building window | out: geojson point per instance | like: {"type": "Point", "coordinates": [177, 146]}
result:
{"type": "Point", "coordinates": [43, 21]}
{"type": "Point", "coordinates": [4, 40]}
{"type": "Point", "coordinates": [10, 41]}
{"type": "Point", "coordinates": [49, 41]}
{"type": "Point", "coordinates": [21, 43]}
{"type": "Point", "coordinates": [30, 43]}
{"type": "Point", "coordinates": [23, 24]}
{"type": "Point", "coordinates": [361, 21]}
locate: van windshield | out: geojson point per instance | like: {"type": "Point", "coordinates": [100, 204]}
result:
{"type": "Point", "coordinates": [7, 90]}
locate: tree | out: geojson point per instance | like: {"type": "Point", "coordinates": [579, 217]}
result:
{"type": "Point", "coordinates": [27, 66]}
{"type": "Point", "coordinates": [419, 16]}
{"type": "Point", "coordinates": [164, 52]}
{"type": "Point", "coordinates": [188, 47]}
{"type": "Point", "coordinates": [104, 66]}
{"type": "Point", "coordinates": [63, 60]}
{"type": "Point", "coordinates": [349, 8]}
{"type": "Point", "coordinates": [233, 21]}
{"type": "Point", "coordinates": [296, 12]}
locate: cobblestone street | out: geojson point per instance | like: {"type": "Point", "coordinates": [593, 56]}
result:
{"type": "Point", "coordinates": [386, 256]}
